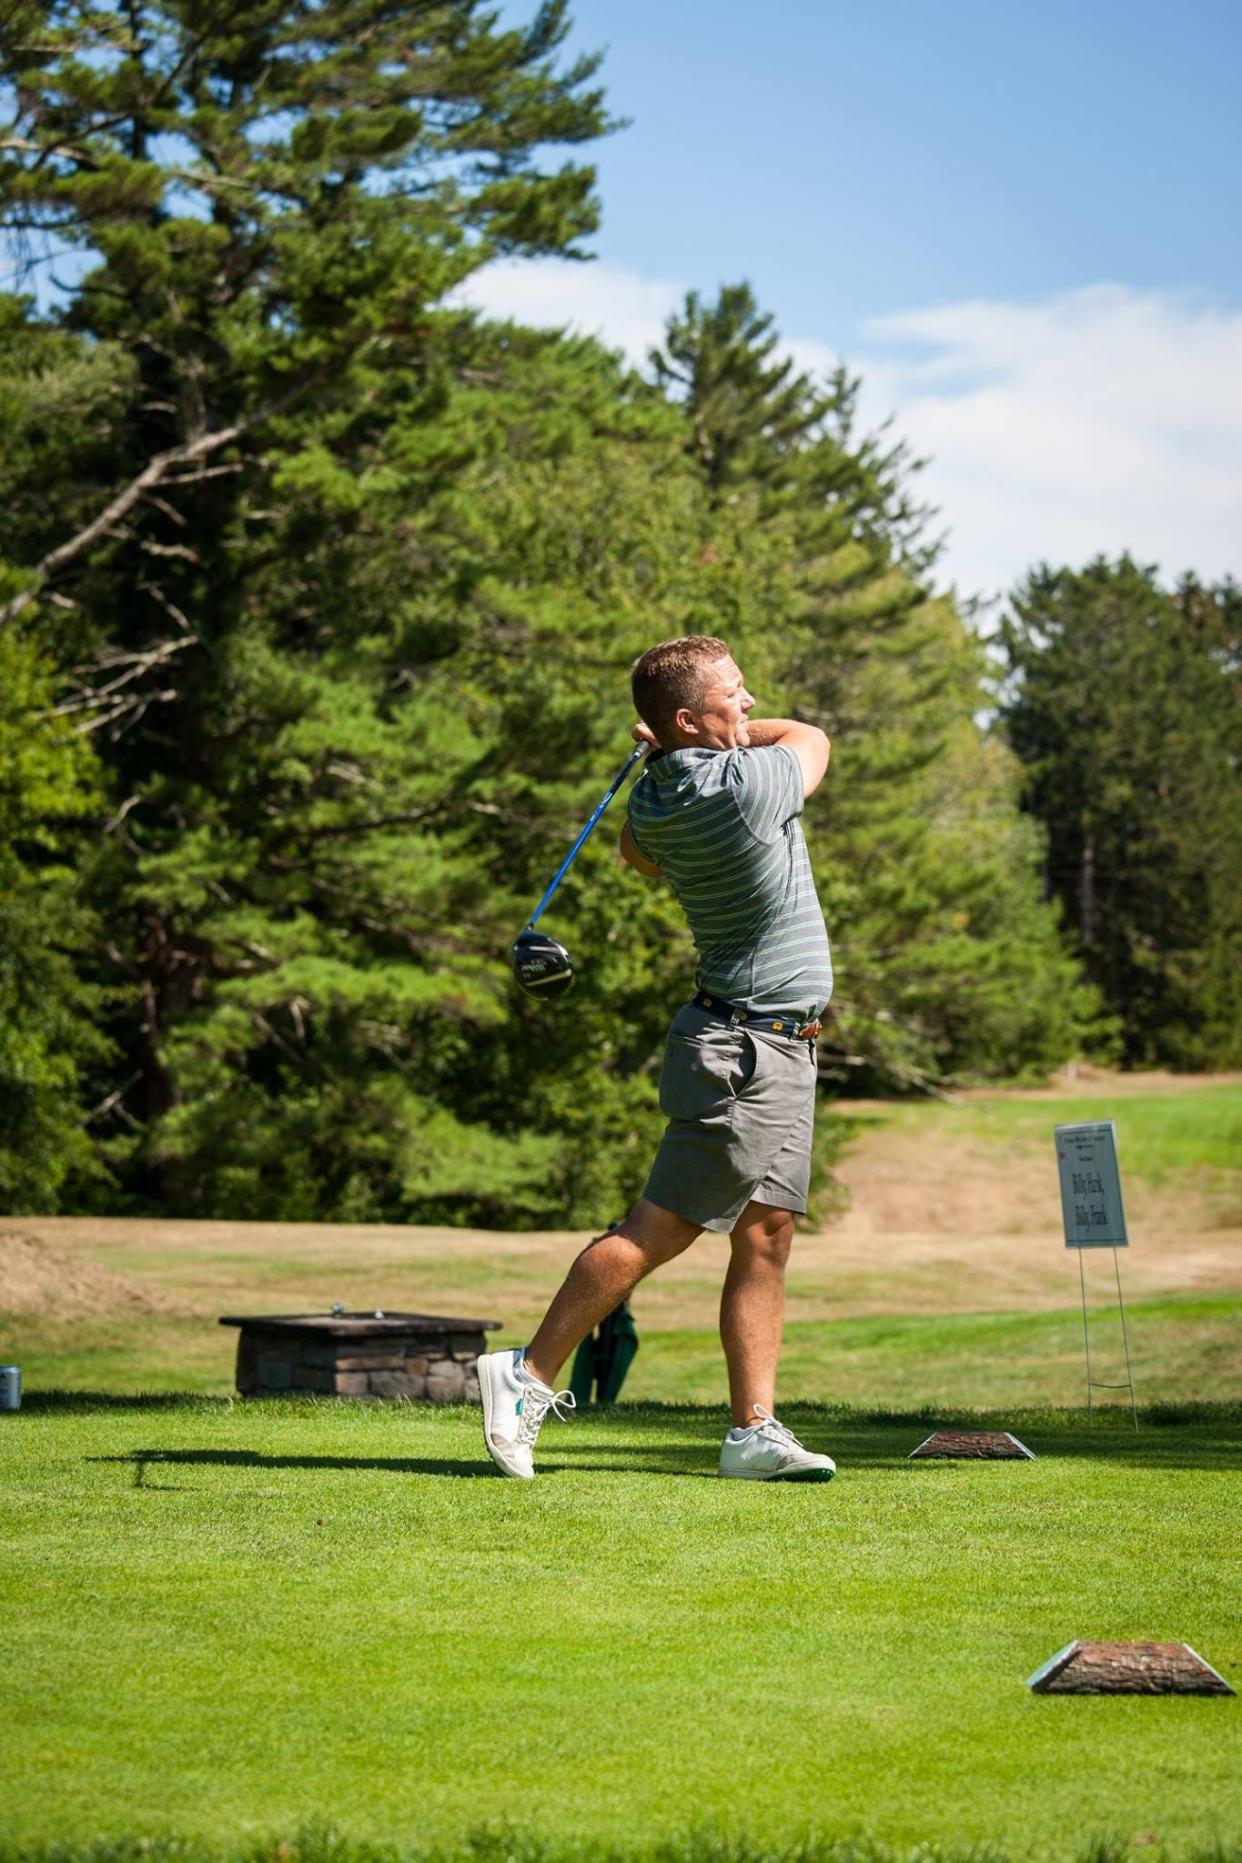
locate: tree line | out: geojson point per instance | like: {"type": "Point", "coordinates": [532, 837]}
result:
{"type": "Point", "coordinates": [317, 598]}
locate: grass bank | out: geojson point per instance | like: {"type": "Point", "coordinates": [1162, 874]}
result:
{"type": "Point", "coordinates": [226, 1619]}
{"type": "Point", "coordinates": [1183, 1348]}
{"type": "Point", "coordinates": [1194, 1127]}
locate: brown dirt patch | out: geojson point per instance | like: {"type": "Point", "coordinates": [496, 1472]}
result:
{"type": "Point", "coordinates": [1088, 1083]}
{"type": "Point", "coordinates": [932, 1228]}
{"type": "Point", "coordinates": [38, 1278]}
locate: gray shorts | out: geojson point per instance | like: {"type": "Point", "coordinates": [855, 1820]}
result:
{"type": "Point", "coordinates": [740, 1104]}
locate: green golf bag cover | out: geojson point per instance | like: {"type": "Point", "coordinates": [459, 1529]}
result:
{"type": "Point", "coordinates": [604, 1357]}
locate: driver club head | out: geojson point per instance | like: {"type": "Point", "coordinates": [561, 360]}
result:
{"type": "Point", "coordinates": [541, 966]}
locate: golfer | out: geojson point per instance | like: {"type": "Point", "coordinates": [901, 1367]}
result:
{"type": "Point", "coordinates": [716, 814]}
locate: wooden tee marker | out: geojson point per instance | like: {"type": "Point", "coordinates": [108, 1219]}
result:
{"type": "Point", "coordinates": [972, 1446]}
{"type": "Point", "coordinates": [1127, 1669]}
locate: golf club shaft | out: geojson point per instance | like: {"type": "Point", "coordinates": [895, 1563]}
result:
{"type": "Point", "coordinates": [568, 861]}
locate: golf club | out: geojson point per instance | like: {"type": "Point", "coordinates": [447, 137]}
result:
{"type": "Point", "coordinates": [541, 966]}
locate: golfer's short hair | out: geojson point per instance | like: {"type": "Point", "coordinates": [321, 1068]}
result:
{"type": "Point", "coordinates": [676, 673]}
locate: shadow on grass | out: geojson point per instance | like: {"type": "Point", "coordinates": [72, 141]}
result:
{"type": "Point", "coordinates": [1181, 1436]}
{"type": "Point", "coordinates": [142, 1460]}
{"type": "Point", "coordinates": [644, 1459]}
{"type": "Point", "coordinates": [40, 1402]}
{"type": "Point", "coordinates": [854, 1450]}
{"type": "Point", "coordinates": [505, 1843]}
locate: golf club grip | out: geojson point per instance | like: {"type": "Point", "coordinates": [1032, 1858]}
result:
{"type": "Point", "coordinates": [568, 861]}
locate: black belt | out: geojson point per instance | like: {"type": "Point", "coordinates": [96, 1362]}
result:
{"type": "Point", "coordinates": [776, 1025]}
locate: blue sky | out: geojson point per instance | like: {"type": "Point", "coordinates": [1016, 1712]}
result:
{"type": "Point", "coordinates": [853, 159]}
{"type": "Point", "coordinates": [1020, 223]}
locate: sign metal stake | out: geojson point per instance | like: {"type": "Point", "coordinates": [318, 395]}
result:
{"type": "Point", "coordinates": [1095, 1217]}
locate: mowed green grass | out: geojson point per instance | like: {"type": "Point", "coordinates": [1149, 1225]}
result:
{"type": "Point", "coordinates": [223, 1620]}
{"type": "Point", "coordinates": [1184, 1348]}
{"type": "Point", "coordinates": [1159, 1133]}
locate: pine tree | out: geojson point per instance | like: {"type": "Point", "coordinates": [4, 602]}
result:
{"type": "Point", "coordinates": [48, 1038]}
{"type": "Point", "coordinates": [58, 399]}
{"type": "Point", "coordinates": [342, 587]}
{"type": "Point", "coordinates": [818, 568]}
{"type": "Point", "coordinates": [275, 202]}
{"type": "Point", "coordinates": [1123, 709]}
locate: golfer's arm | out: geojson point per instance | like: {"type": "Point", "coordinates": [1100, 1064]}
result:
{"type": "Point", "coordinates": [808, 743]}
{"type": "Point", "coordinates": [632, 858]}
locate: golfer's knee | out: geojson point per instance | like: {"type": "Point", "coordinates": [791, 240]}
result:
{"type": "Point", "coordinates": [657, 1233]}
{"type": "Point", "coordinates": [765, 1236]}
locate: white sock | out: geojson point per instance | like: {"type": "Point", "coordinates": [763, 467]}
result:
{"type": "Point", "coordinates": [528, 1377]}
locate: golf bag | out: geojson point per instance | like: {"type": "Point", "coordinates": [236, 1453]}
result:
{"type": "Point", "coordinates": [604, 1357]}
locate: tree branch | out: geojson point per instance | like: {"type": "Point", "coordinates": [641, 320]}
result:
{"type": "Point", "coordinates": [157, 470]}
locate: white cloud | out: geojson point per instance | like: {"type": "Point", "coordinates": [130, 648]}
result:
{"type": "Point", "coordinates": [1099, 420]}
{"type": "Point", "coordinates": [625, 311]}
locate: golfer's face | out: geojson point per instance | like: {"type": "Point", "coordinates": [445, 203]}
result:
{"type": "Point", "coordinates": [722, 719]}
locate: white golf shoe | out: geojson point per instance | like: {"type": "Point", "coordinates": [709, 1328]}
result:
{"type": "Point", "coordinates": [514, 1407]}
{"type": "Point", "coordinates": [767, 1451]}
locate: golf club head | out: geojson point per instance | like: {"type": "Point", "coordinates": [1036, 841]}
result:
{"type": "Point", "coordinates": [541, 966]}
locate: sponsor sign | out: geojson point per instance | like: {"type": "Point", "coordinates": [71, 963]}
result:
{"type": "Point", "coordinates": [1091, 1186]}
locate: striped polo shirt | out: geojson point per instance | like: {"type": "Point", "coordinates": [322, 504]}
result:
{"type": "Point", "coordinates": [723, 826]}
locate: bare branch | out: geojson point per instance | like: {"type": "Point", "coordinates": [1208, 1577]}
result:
{"type": "Point", "coordinates": [207, 472]}
{"type": "Point", "coordinates": [210, 184]}
{"type": "Point", "coordinates": [133, 707]}
{"type": "Point", "coordinates": [155, 471]}
{"type": "Point", "coordinates": [131, 802]}
{"type": "Point", "coordinates": [131, 666]}
{"type": "Point", "coordinates": [408, 819]}
{"type": "Point", "coordinates": [170, 511]}
{"type": "Point", "coordinates": [167, 604]}
{"type": "Point", "coordinates": [171, 549]}
{"type": "Point", "coordinates": [113, 1102]}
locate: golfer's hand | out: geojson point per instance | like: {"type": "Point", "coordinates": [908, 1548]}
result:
{"type": "Point", "coordinates": [643, 734]}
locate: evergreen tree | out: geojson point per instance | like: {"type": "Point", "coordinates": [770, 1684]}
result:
{"type": "Point", "coordinates": [58, 401]}
{"type": "Point", "coordinates": [439, 652]}
{"type": "Point", "coordinates": [275, 203]}
{"type": "Point", "coordinates": [1122, 706]}
{"type": "Point", "coordinates": [341, 588]}
{"type": "Point", "coordinates": [47, 1015]}
{"type": "Point", "coordinates": [819, 569]}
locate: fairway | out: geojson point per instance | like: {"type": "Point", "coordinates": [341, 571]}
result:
{"type": "Point", "coordinates": [228, 1622]}
{"type": "Point", "coordinates": [726, 508]}
{"type": "Point", "coordinates": [225, 1620]}
{"type": "Point", "coordinates": [944, 1281]}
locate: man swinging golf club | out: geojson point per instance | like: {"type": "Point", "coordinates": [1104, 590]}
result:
{"type": "Point", "coordinates": [716, 814]}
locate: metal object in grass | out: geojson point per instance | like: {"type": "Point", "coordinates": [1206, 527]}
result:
{"type": "Point", "coordinates": [1095, 1217]}
{"type": "Point", "coordinates": [10, 1387]}
{"type": "Point", "coordinates": [1083, 1668]}
{"type": "Point", "coordinates": [972, 1446]}
{"type": "Point", "coordinates": [541, 965]}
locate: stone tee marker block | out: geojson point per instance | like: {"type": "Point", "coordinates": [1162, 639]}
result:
{"type": "Point", "coordinates": [424, 1357]}
{"type": "Point", "coordinates": [972, 1446]}
{"type": "Point", "coordinates": [1127, 1669]}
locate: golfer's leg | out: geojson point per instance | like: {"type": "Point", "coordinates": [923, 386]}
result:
{"type": "Point", "coordinates": [605, 1272]}
{"type": "Point", "coordinates": [752, 1307]}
